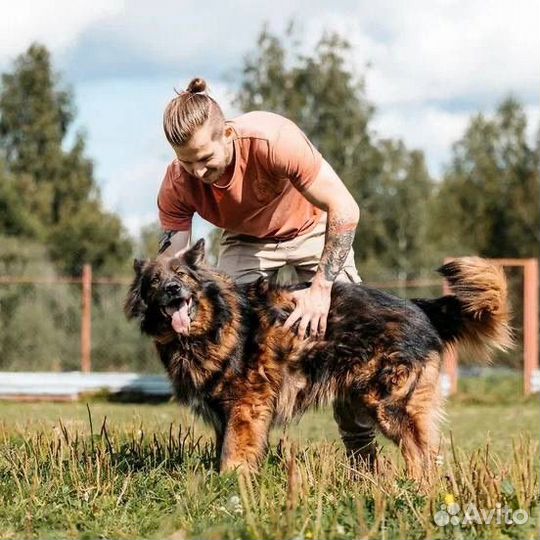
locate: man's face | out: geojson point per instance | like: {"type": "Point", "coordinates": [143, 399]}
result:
{"type": "Point", "coordinates": [207, 153]}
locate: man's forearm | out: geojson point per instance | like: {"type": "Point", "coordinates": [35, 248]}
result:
{"type": "Point", "coordinates": [171, 242]}
{"type": "Point", "coordinates": [340, 231]}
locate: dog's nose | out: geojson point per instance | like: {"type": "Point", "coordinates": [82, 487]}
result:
{"type": "Point", "coordinates": [172, 288]}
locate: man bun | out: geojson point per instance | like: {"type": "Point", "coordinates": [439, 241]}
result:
{"type": "Point", "coordinates": [196, 86]}
{"type": "Point", "coordinates": [188, 111]}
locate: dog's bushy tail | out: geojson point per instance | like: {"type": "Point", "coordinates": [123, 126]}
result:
{"type": "Point", "coordinates": [476, 314]}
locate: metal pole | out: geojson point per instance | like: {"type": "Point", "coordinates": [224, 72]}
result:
{"type": "Point", "coordinates": [530, 322]}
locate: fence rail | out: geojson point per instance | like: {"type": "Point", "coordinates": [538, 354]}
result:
{"type": "Point", "coordinates": [530, 313]}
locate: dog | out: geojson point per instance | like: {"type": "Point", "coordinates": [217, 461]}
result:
{"type": "Point", "coordinates": [231, 360]}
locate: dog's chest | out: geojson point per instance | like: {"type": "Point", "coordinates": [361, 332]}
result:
{"type": "Point", "coordinates": [291, 396]}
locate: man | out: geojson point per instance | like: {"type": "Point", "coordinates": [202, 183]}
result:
{"type": "Point", "coordinates": [279, 202]}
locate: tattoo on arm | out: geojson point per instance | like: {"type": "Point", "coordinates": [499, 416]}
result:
{"type": "Point", "coordinates": [165, 240]}
{"type": "Point", "coordinates": [339, 239]}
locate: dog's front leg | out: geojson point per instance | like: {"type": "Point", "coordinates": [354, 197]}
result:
{"type": "Point", "coordinates": [219, 433]}
{"type": "Point", "coordinates": [246, 437]}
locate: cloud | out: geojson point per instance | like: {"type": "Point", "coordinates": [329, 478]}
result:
{"type": "Point", "coordinates": [429, 65]}
{"type": "Point", "coordinates": [443, 51]}
{"type": "Point", "coordinates": [57, 24]}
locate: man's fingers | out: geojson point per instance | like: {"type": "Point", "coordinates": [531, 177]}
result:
{"type": "Point", "coordinates": [322, 327]}
{"type": "Point", "coordinates": [303, 326]}
{"type": "Point", "coordinates": [293, 317]}
{"type": "Point", "coordinates": [314, 325]}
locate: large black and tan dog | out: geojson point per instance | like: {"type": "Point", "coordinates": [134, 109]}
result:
{"type": "Point", "coordinates": [231, 360]}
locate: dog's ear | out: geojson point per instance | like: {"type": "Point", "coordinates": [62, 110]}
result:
{"type": "Point", "coordinates": [195, 254]}
{"type": "Point", "coordinates": [262, 285]}
{"type": "Point", "coordinates": [134, 305]}
{"type": "Point", "coordinates": [138, 266]}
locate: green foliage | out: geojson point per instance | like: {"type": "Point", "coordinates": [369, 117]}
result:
{"type": "Point", "coordinates": [16, 218]}
{"type": "Point", "coordinates": [488, 201]}
{"type": "Point", "coordinates": [40, 322]}
{"type": "Point", "coordinates": [117, 344]}
{"type": "Point", "coordinates": [51, 192]}
{"type": "Point", "coordinates": [399, 222]}
{"type": "Point", "coordinates": [327, 99]}
{"type": "Point", "coordinates": [91, 236]}
{"type": "Point", "coordinates": [148, 244]}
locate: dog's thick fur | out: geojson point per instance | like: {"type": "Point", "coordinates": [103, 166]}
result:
{"type": "Point", "coordinates": [242, 372]}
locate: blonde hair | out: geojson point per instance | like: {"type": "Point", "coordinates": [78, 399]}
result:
{"type": "Point", "coordinates": [188, 111]}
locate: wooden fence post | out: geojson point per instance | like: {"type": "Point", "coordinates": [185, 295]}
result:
{"type": "Point", "coordinates": [530, 322]}
{"type": "Point", "coordinates": [86, 319]}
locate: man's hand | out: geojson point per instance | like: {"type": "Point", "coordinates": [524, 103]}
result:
{"type": "Point", "coordinates": [312, 306]}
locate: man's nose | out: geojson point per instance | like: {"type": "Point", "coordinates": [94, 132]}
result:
{"type": "Point", "coordinates": [199, 172]}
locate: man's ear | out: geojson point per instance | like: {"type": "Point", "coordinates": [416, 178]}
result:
{"type": "Point", "coordinates": [195, 254]}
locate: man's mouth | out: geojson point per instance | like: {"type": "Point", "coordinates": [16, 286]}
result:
{"type": "Point", "coordinates": [179, 311]}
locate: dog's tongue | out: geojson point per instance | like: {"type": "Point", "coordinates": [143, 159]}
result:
{"type": "Point", "coordinates": [180, 320]}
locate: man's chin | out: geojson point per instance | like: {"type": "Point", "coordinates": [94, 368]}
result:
{"type": "Point", "coordinates": [212, 179]}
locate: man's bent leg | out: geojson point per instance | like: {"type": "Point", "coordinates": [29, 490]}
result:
{"type": "Point", "coordinates": [245, 261]}
{"type": "Point", "coordinates": [357, 431]}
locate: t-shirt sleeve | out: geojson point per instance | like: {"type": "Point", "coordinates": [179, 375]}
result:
{"type": "Point", "coordinates": [293, 156]}
{"type": "Point", "coordinates": [174, 213]}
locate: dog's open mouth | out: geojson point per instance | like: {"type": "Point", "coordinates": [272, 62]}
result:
{"type": "Point", "coordinates": [179, 311]}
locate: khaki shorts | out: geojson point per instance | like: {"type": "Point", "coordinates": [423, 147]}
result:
{"type": "Point", "coordinates": [248, 260]}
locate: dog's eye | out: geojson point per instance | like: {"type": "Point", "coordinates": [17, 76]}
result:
{"type": "Point", "coordinates": [155, 280]}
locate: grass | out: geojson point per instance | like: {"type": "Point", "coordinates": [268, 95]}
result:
{"type": "Point", "coordinates": [146, 471]}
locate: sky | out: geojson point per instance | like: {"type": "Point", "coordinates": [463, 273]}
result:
{"type": "Point", "coordinates": [428, 66]}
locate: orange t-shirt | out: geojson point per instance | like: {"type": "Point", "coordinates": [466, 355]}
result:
{"type": "Point", "coordinates": [273, 162]}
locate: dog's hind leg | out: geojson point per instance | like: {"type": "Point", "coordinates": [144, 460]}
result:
{"type": "Point", "coordinates": [413, 423]}
{"type": "Point", "coordinates": [246, 437]}
{"type": "Point", "coordinates": [424, 409]}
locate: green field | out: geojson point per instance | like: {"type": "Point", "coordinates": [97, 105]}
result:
{"type": "Point", "coordinates": [147, 472]}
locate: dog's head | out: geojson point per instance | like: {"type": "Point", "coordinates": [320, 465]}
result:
{"type": "Point", "coordinates": [166, 292]}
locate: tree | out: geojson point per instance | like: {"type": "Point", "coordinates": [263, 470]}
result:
{"type": "Point", "coordinates": [55, 184]}
{"type": "Point", "coordinates": [402, 206]}
{"type": "Point", "coordinates": [490, 193]}
{"type": "Point", "coordinates": [15, 218]}
{"type": "Point", "coordinates": [327, 100]}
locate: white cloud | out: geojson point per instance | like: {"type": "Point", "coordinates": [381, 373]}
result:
{"type": "Point", "coordinates": [443, 50]}
{"type": "Point", "coordinates": [57, 24]}
{"type": "Point", "coordinates": [430, 129]}
{"type": "Point", "coordinates": [433, 63]}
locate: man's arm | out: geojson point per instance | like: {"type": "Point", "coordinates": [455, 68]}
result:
{"type": "Point", "coordinates": [171, 242]}
{"type": "Point", "coordinates": [328, 193]}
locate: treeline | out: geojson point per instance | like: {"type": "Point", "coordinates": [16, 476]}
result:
{"type": "Point", "coordinates": [52, 219]}
{"type": "Point", "coordinates": [486, 203]}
